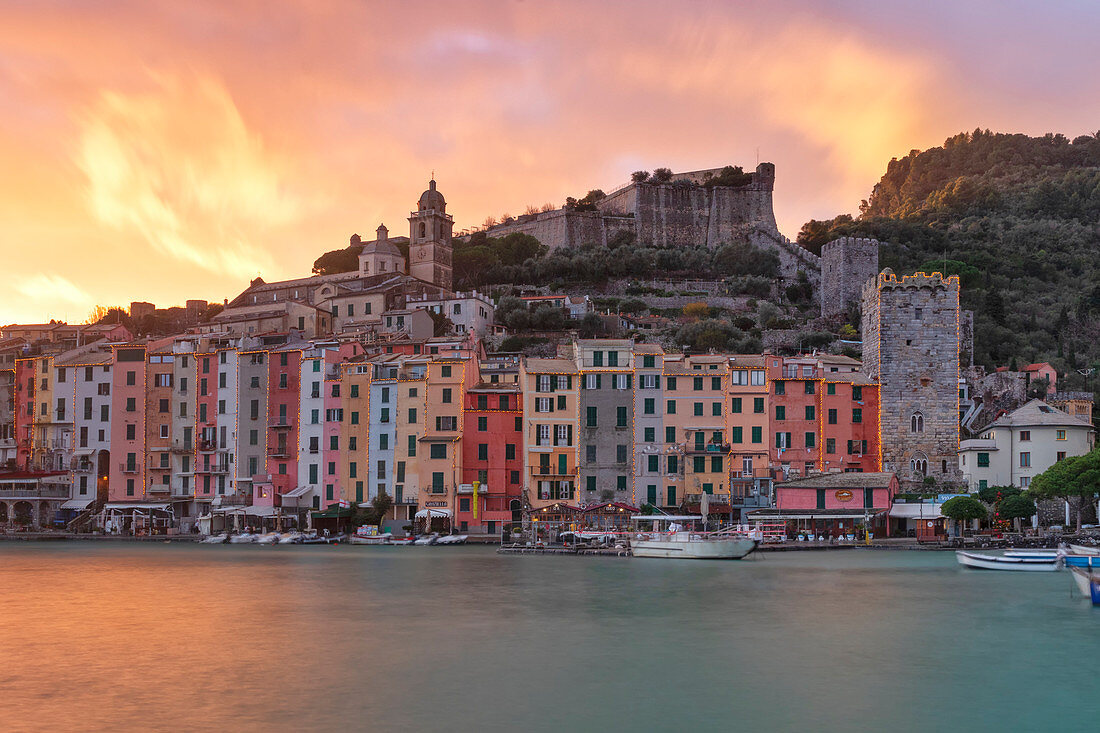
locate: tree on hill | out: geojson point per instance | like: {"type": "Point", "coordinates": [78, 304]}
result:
{"type": "Point", "coordinates": [1015, 216]}
{"type": "Point", "coordinates": [963, 508]}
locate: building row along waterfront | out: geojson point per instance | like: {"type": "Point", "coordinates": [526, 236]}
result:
{"type": "Point", "coordinates": [183, 426]}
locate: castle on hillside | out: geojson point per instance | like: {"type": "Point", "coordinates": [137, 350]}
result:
{"type": "Point", "coordinates": [683, 211]}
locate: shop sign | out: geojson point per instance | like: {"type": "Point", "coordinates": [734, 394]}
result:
{"type": "Point", "coordinates": [843, 495]}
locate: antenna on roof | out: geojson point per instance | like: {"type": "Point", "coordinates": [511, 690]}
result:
{"type": "Point", "coordinates": [758, 155]}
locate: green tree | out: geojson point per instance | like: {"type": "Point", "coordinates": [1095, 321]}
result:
{"type": "Point", "coordinates": [662, 175]}
{"type": "Point", "coordinates": [1074, 480]}
{"type": "Point", "coordinates": [1017, 507]}
{"type": "Point", "coordinates": [963, 509]}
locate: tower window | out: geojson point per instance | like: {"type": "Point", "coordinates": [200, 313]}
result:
{"type": "Point", "coordinates": [423, 230]}
{"type": "Point", "coordinates": [916, 423]}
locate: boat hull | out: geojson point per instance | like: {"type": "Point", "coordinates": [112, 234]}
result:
{"type": "Point", "coordinates": [724, 549]}
{"type": "Point", "coordinates": [1082, 550]}
{"type": "Point", "coordinates": [979, 561]}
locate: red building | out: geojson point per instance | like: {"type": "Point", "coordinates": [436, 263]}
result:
{"type": "Point", "coordinates": [823, 418]}
{"type": "Point", "coordinates": [283, 402]}
{"type": "Point", "coordinates": [492, 459]}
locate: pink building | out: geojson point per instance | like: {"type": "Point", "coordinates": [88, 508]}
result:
{"type": "Point", "coordinates": [127, 474]}
{"type": "Point", "coordinates": [283, 403]}
{"type": "Point", "coordinates": [832, 504]}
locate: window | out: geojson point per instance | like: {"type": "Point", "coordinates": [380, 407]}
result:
{"type": "Point", "coordinates": [810, 410]}
{"type": "Point", "coordinates": [832, 417]}
{"type": "Point", "coordinates": [716, 409]}
{"type": "Point", "coordinates": [811, 440]}
{"type": "Point", "coordinates": [736, 434]}
{"type": "Point", "coordinates": [620, 417]}
{"type": "Point", "coordinates": [621, 454]}
{"type": "Point", "coordinates": [916, 423]}
{"type": "Point", "coordinates": [652, 464]}
{"type": "Point", "coordinates": [735, 405]}
{"type": "Point", "coordinates": [483, 451]}
{"type": "Point", "coordinates": [780, 412]}
{"type": "Point", "coordinates": [780, 388]}
{"type": "Point", "coordinates": [857, 393]}
{"type": "Point", "coordinates": [383, 441]}
{"type": "Point", "coordinates": [412, 416]}
{"type": "Point", "coordinates": [591, 417]}
{"type": "Point", "coordinates": [758, 405]}
{"type": "Point", "coordinates": [1061, 455]}
{"type": "Point", "coordinates": [809, 387]}
{"type": "Point", "coordinates": [438, 450]}
{"type": "Point", "coordinates": [830, 445]}
{"type": "Point", "coordinates": [1025, 435]}
{"type": "Point", "coordinates": [1060, 435]}
{"type": "Point", "coordinates": [857, 415]}
{"type": "Point", "coordinates": [1025, 460]}
{"type": "Point", "coordinates": [758, 434]}
{"type": "Point", "coordinates": [649, 406]}
{"type": "Point", "coordinates": [649, 435]}
{"type": "Point", "coordinates": [412, 445]}
{"type": "Point", "coordinates": [830, 388]}
{"type": "Point", "coordinates": [482, 424]}
{"type": "Point", "coordinates": [670, 383]}
{"type": "Point", "coordinates": [670, 407]}
{"type": "Point", "coordinates": [697, 409]}
{"type": "Point", "coordinates": [672, 464]}
{"type": "Point", "coordinates": [446, 370]}
{"type": "Point", "coordinates": [670, 434]}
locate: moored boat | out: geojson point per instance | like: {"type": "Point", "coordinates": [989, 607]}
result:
{"type": "Point", "coordinates": [1081, 578]}
{"type": "Point", "coordinates": [378, 539]}
{"type": "Point", "coordinates": [677, 542]}
{"type": "Point", "coordinates": [1083, 550]}
{"type": "Point", "coordinates": [243, 539]}
{"type": "Point", "coordinates": [216, 539]}
{"type": "Point", "coordinates": [982, 561]}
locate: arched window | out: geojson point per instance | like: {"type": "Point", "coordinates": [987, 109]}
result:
{"type": "Point", "coordinates": [916, 423]}
{"type": "Point", "coordinates": [919, 464]}
{"type": "Point", "coordinates": [423, 230]}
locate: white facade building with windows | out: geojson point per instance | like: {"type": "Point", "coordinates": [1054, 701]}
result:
{"type": "Point", "coordinates": [1022, 444]}
{"type": "Point", "coordinates": [470, 312]}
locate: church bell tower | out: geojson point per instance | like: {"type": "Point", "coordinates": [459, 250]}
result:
{"type": "Point", "coordinates": [430, 244]}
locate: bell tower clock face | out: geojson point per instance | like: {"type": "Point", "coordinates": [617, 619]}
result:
{"type": "Point", "coordinates": [422, 253]}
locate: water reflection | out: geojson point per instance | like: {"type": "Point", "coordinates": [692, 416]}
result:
{"type": "Point", "coordinates": [120, 636]}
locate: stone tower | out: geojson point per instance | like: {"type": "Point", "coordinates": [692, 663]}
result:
{"type": "Point", "coordinates": [847, 264]}
{"type": "Point", "coordinates": [911, 347]}
{"type": "Point", "coordinates": [430, 245]}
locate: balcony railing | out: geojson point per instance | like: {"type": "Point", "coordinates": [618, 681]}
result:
{"type": "Point", "coordinates": [39, 492]}
{"type": "Point", "coordinates": [551, 472]}
{"type": "Point", "coordinates": [711, 448]}
{"type": "Point", "coordinates": [128, 467]}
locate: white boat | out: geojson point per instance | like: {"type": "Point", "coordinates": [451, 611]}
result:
{"type": "Point", "coordinates": [452, 539]}
{"type": "Point", "coordinates": [270, 538]}
{"type": "Point", "coordinates": [324, 539]}
{"type": "Point", "coordinates": [403, 541]}
{"type": "Point", "coordinates": [378, 539]}
{"type": "Point", "coordinates": [982, 561]}
{"type": "Point", "coordinates": [1083, 550]}
{"type": "Point", "coordinates": [243, 539]}
{"type": "Point", "coordinates": [427, 539]}
{"type": "Point", "coordinates": [688, 544]}
{"type": "Point", "coordinates": [1081, 578]}
{"type": "Point", "coordinates": [216, 539]}
{"type": "Point", "coordinates": [290, 538]}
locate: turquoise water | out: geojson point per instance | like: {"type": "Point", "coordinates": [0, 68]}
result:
{"type": "Point", "coordinates": [113, 636]}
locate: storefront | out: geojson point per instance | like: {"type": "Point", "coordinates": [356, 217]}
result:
{"type": "Point", "coordinates": [823, 525]}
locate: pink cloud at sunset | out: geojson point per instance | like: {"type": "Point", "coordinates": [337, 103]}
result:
{"type": "Point", "coordinates": [162, 151]}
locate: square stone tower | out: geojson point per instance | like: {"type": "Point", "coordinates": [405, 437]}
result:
{"type": "Point", "coordinates": [911, 346]}
{"type": "Point", "coordinates": [847, 264]}
{"type": "Point", "coordinates": [430, 245]}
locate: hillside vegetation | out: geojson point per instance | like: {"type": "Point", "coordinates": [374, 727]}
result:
{"type": "Point", "coordinates": [1018, 218]}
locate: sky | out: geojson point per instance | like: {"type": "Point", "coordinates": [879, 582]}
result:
{"type": "Point", "coordinates": [161, 151]}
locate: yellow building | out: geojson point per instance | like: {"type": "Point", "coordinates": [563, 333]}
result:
{"type": "Point", "coordinates": [550, 405]}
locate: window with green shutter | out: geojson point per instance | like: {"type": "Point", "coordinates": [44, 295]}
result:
{"type": "Point", "coordinates": [670, 434]}
{"type": "Point", "coordinates": [758, 405]}
{"type": "Point", "coordinates": [591, 420]}
{"type": "Point", "coordinates": [736, 434]}
{"type": "Point", "coordinates": [699, 464]}
{"type": "Point", "coordinates": [651, 494]}
{"type": "Point", "coordinates": [735, 405]}
{"type": "Point", "coordinates": [757, 434]}
{"type": "Point", "coordinates": [620, 416]}
{"type": "Point", "coordinates": [821, 498]}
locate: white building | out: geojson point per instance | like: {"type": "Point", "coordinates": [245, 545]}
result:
{"type": "Point", "coordinates": [1022, 444]}
{"type": "Point", "coordinates": [470, 312]}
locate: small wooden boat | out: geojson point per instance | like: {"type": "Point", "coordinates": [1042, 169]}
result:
{"type": "Point", "coordinates": [322, 539]}
{"type": "Point", "coordinates": [215, 539]}
{"type": "Point", "coordinates": [1081, 578]}
{"type": "Point", "coordinates": [981, 561]}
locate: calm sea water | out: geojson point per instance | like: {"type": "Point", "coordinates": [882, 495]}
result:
{"type": "Point", "coordinates": [112, 636]}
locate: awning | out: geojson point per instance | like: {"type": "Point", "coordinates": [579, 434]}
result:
{"type": "Point", "coordinates": [781, 514]}
{"type": "Point", "coordinates": [251, 511]}
{"type": "Point", "coordinates": [297, 493]}
{"type": "Point", "coordinates": [916, 511]}
{"type": "Point", "coordinates": [423, 513]}
{"type": "Point", "coordinates": [335, 511]}
{"type": "Point", "coordinates": [124, 507]}
{"type": "Point", "coordinates": [78, 504]}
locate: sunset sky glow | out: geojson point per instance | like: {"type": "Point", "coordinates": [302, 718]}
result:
{"type": "Point", "coordinates": [161, 151]}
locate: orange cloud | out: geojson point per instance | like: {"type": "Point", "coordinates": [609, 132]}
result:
{"type": "Point", "coordinates": [178, 166]}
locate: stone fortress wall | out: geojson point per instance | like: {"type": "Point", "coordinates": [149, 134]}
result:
{"type": "Point", "coordinates": [911, 347]}
{"type": "Point", "coordinates": [847, 264]}
{"type": "Point", "coordinates": [676, 215]}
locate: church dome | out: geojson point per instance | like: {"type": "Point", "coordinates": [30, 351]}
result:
{"type": "Point", "coordinates": [432, 199]}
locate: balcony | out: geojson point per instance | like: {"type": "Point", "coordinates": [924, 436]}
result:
{"type": "Point", "coordinates": [551, 472]}
{"type": "Point", "coordinates": [180, 446]}
{"type": "Point", "coordinates": [157, 488]}
{"type": "Point", "coordinates": [12, 490]}
{"type": "Point", "coordinates": [207, 446]}
{"type": "Point", "coordinates": [128, 467]}
{"type": "Point", "coordinates": [715, 449]}
{"type": "Point", "coordinates": [222, 468]}
{"type": "Point", "coordinates": [281, 422]}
